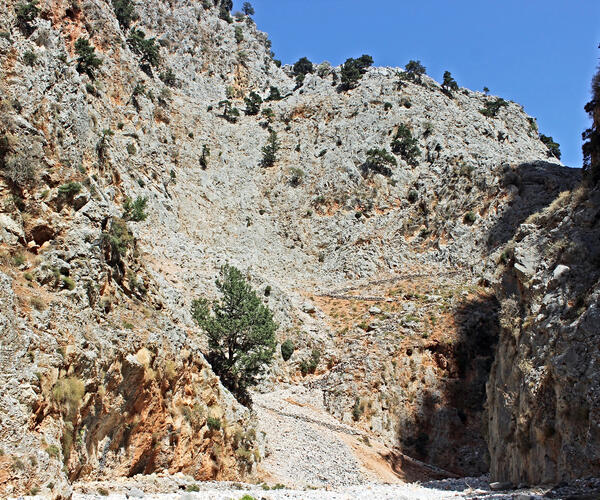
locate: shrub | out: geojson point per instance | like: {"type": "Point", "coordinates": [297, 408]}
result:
{"type": "Point", "coordinates": [253, 102]}
{"type": "Point", "coordinates": [310, 365]}
{"type": "Point", "coordinates": [239, 34]}
{"type": "Point", "coordinates": [87, 60]}
{"type": "Point", "coordinates": [26, 13]}
{"type": "Point", "coordinates": [449, 83]}
{"type": "Point", "coordinates": [67, 283]}
{"type": "Point", "coordinates": [297, 175]}
{"type": "Point", "coordinates": [387, 106]}
{"type": "Point", "coordinates": [29, 58]}
{"type": "Point", "coordinates": [124, 11]}
{"type": "Point", "coordinates": [192, 487]}
{"type": "Point", "coordinates": [274, 94]}
{"type": "Point", "coordinates": [135, 210]}
{"type": "Point", "coordinates": [491, 108]}
{"type": "Point", "coordinates": [553, 147]}
{"type": "Point", "coordinates": [287, 349]}
{"type": "Point", "coordinates": [68, 393]}
{"type": "Point", "coordinates": [225, 9]}
{"type": "Point", "coordinates": [378, 161]}
{"type": "Point", "coordinates": [168, 77]}
{"type": "Point", "coordinates": [230, 113]}
{"type": "Point", "coordinates": [486, 91]}
{"type": "Point", "coordinates": [21, 171]}
{"type": "Point", "coordinates": [406, 145]}
{"type": "Point", "coordinates": [353, 70]}
{"type": "Point", "coordinates": [204, 157]}
{"type": "Point", "coordinates": [147, 48]}
{"type": "Point", "coordinates": [270, 150]}
{"type": "Point", "coordinates": [247, 9]}
{"type": "Point", "coordinates": [302, 67]}
{"type": "Point", "coordinates": [53, 450]}
{"type": "Point", "coordinates": [356, 410]}
{"type": "Point", "coordinates": [413, 195]}
{"type": "Point", "coordinates": [240, 332]}
{"type": "Point", "coordinates": [267, 291]}
{"type": "Point", "coordinates": [214, 424]}
{"type": "Point", "coordinates": [413, 71]}
{"type": "Point", "coordinates": [469, 217]}
{"type": "Point", "coordinates": [131, 150]}
{"type": "Point", "coordinates": [69, 189]}
{"type": "Point", "coordinates": [118, 237]}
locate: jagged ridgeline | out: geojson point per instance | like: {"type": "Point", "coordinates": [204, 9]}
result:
{"type": "Point", "coordinates": [157, 161]}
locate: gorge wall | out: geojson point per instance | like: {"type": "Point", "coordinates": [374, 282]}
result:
{"type": "Point", "coordinates": [386, 276]}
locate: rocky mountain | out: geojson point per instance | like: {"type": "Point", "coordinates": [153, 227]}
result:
{"type": "Point", "coordinates": [401, 230]}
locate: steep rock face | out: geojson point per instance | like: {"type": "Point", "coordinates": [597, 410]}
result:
{"type": "Point", "coordinates": [114, 295]}
{"type": "Point", "coordinates": [543, 392]}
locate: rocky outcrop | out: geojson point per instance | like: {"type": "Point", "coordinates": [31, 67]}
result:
{"type": "Point", "coordinates": [105, 373]}
{"type": "Point", "coordinates": [543, 398]}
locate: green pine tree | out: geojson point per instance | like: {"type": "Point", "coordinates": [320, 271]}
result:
{"type": "Point", "coordinates": [240, 331]}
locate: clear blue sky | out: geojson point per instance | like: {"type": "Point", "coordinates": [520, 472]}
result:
{"type": "Point", "coordinates": [541, 54]}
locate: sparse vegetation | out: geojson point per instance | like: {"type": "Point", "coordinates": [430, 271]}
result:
{"type": "Point", "coordinates": [146, 48]}
{"type": "Point", "coordinates": [353, 70]}
{"type": "Point", "coordinates": [230, 113]}
{"type": "Point", "coordinates": [449, 82]}
{"type": "Point", "coordinates": [69, 189]}
{"type": "Point", "coordinates": [491, 108]}
{"type": "Point", "coordinates": [302, 67]}
{"type": "Point", "coordinates": [68, 393]}
{"type": "Point", "coordinates": [379, 161]}
{"type": "Point", "coordinates": [135, 210]}
{"type": "Point", "coordinates": [214, 424]}
{"type": "Point", "coordinates": [553, 147]}
{"type": "Point", "coordinates": [26, 13]}
{"type": "Point", "coordinates": [168, 77]}
{"type": "Point", "coordinates": [29, 58]}
{"type": "Point", "coordinates": [204, 157]}
{"type": "Point", "coordinates": [413, 71]}
{"type": "Point", "coordinates": [269, 150]}
{"type": "Point", "coordinates": [240, 331]}
{"type": "Point", "coordinates": [287, 349]}
{"type": "Point", "coordinates": [357, 410]}
{"type": "Point", "coordinates": [274, 94]}
{"type": "Point", "coordinates": [124, 11]}
{"type": "Point", "coordinates": [310, 365]}
{"type": "Point", "coordinates": [406, 145]}
{"type": "Point", "coordinates": [253, 102]}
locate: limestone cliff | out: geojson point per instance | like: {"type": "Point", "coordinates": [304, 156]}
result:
{"type": "Point", "coordinates": [102, 366]}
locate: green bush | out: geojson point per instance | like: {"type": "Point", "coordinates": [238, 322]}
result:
{"type": "Point", "coordinates": [297, 176]}
{"type": "Point", "coordinates": [270, 150]}
{"type": "Point", "coordinates": [168, 77]}
{"type": "Point", "coordinates": [118, 237]}
{"type": "Point", "coordinates": [146, 48]}
{"type": "Point", "coordinates": [135, 210]}
{"type": "Point", "coordinates": [469, 217]}
{"type": "Point", "coordinates": [69, 189]}
{"type": "Point", "coordinates": [247, 9]}
{"type": "Point", "coordinates": [413, 71]}
{"type": "Point", "coordinates": [253, 102]}
{"type": "Point", "coordinates": [239, 34]}
{"type": "Point", "coordinates": [204, 157]}
{"type": "Point", "coordinates": [53, 450]}
{"type": "Point", "coordinates": [413, 195]}
{"type": "Point", "coordinates": [87, 61]}
{"type": "Point", "coordinates": [379, 161]}
{"type": "Point", "coordinates": [225, 9]}
{"type": "Point", "coordinates": [553, 147]}
{"type": "Point", "coordinates": [491, 108]}
{"type": "Point", "coordinates": [353, 70]}
{"type": "Point", "coordinates": [302, 67]}
{"type": "Point", "coordinates": [274, 94]}
{"type": "Point", "coordinates": [214, 424]}
{"type": "Point", "coordinates": [387, 106]}
{"type": "Point", "coordinates": [68, 393]}
{"type": "Point", "coordinates": [26, 13]}
{"type": "Point", "coordinates": [287, 349]}
{"type": "Point", "coordinates": [68, 283]}
{"type": "Point", "coordinates": [192, 488]}
{"type": "Point", "coordinates": [240, 331]}
{"type": "Point", "coordinates": [29, 58]}
{"type": "Point", "coordinates": [357, 410]}
{"type": "Point", "coordinates": [449, 82]}
{"type": "Point", "coordinates": [310, 365]}
{"type": "Point", "coordinates": [406, 145]}
{"type": "Point", "coordinates": [124, 11]}
{"type": "Point", "coordinates": [230, 113]}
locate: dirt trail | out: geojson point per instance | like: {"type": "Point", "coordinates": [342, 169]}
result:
{"type": "Point", "coordinates": [309, 447]}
